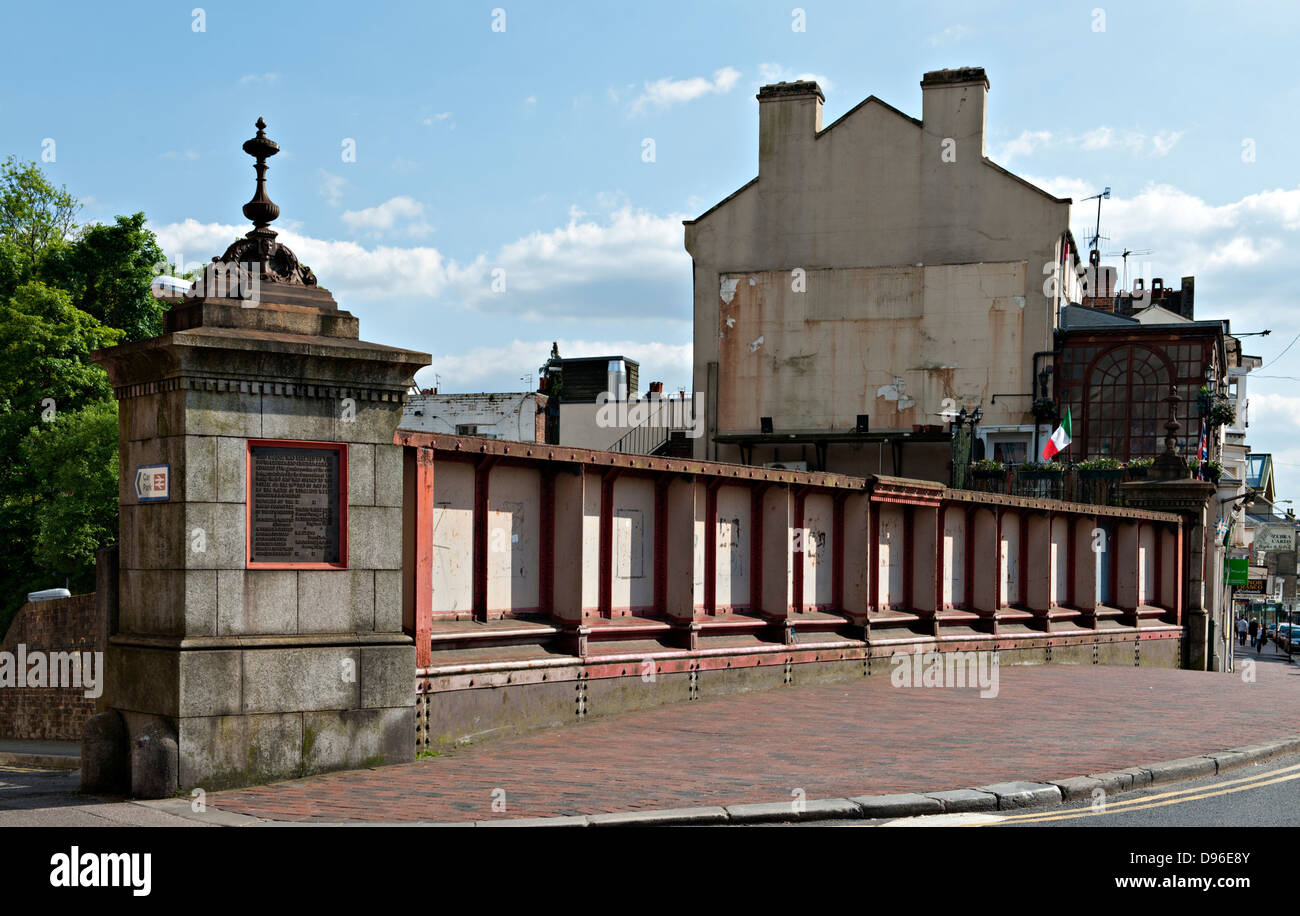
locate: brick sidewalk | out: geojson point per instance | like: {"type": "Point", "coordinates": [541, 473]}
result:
{"type": "Point", "coordinates": [831, 741]}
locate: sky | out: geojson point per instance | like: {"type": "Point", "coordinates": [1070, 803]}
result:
{"type": "Point", "coordinates": [429, 149]}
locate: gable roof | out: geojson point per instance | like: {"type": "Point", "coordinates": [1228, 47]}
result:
{"type": "Point", "coordinates": [915, 122]}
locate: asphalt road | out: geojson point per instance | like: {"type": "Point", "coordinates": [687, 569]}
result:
{"type": "Point", "coordinates": [1266, 794]}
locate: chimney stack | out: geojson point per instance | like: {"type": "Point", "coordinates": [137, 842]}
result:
{"type": "Point", "coordinates": [789, 117]}
{"type": "Point", "coordinates": [953, 106]}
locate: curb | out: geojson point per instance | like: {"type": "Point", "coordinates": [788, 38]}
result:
{"type": "Point", "coordinates": [40, 761]}
{"type": "Point", "coordinates": [1002, 796]}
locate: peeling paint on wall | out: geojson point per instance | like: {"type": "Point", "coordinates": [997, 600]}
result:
{"type": "Point", "coordinates": [728, 290]}
{"type": "Point", "coordinates": [896, 392]}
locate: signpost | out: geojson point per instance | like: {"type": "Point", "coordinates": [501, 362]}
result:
{"type": "Point", "coordinates": [153, 483]}
{"type": "Point", "coordinates": [1275, 538]}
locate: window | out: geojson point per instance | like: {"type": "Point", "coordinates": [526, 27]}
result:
{"type": "Point", "coordinates": [1010, 451]}
{"type": "Point", "coordinates": [1124, 410]}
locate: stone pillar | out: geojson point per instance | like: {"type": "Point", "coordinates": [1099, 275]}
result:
{"type": "Point", "coordinates": [252, 671]}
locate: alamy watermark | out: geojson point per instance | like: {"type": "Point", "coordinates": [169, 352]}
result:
{"type": "Point", "coordinates": [946, 669]}
{"type": "Point", "coordinates": [679, 413]}
{"type": "Point", "coordinates": [53, 669]}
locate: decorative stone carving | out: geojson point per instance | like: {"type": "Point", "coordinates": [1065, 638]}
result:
{"type": "Point", "coordinates": [278, 264]}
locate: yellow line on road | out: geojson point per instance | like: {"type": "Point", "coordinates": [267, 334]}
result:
{"type": "Point", "coordinates": [1161, 800]}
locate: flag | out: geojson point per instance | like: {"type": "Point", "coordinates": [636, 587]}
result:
{"type": "Point", "coordinates": [1060, 439]}
{"type": "Point", "coordinates": [1202, 453]}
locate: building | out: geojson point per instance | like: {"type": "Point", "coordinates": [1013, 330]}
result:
{"type": "Point", "coordinates": [519, 416]}
{"type": "Point", "coordinates": [1114, 374]}
{"type": "Point", "coordinates": [599, 407]}
{"type": "Point", "coordinates": [878, 276]}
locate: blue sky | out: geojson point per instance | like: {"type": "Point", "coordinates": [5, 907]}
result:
{"type": "Point", "coordinates": [522, 149]}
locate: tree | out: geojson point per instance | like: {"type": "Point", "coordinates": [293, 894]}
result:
{"type": "Point", "coordinates": [45, 375]}
{"type": "Point", "coordinates": [77, 490]}
{"type": "Point", "coordinates": [33, 213]}
{"type": "Point", "coordinates": [108, 270]}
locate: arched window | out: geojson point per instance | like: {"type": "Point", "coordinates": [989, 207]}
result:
{"type": "Point", "coordinates": [1122, 403]}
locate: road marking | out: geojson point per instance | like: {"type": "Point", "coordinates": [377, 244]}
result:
{"type": "Point", "coordinates": [1163, 799]}
{"type": "Point", "coordinates": [967, 819]}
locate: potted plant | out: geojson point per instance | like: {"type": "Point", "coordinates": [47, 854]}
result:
{"type": "Point", "coordinates": [987, 467]}
{"type": "Point", "coordinates": [1139, 467]}
{"type": "Point", "coordinates": [1100, 469]}
{"type": "Point", "coordinates": [1035, 470]}
{"type": "Point", "coordinates": [1213, 471]}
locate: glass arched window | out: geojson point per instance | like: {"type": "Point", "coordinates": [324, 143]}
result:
{"type": "Point", "coordinates": [1123, 403]}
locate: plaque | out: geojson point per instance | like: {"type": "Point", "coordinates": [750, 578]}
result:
{"type": "Point", "coordinates": [294, 512]}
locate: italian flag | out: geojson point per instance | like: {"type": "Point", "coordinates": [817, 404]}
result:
{"type": "Point", "coordinates": [1060, 439]}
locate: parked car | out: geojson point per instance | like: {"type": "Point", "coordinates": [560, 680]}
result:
{"type": "Point", "coordinates": [1288, 637]}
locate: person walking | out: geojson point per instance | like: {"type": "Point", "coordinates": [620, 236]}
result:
{"type": "Point", "coordinates": [1253, 630]}
{"type": "Point", "coordinates": [1241, 631]}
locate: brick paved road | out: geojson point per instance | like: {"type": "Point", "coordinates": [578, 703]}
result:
{"type": "Point", "coordinates": [831, 741]}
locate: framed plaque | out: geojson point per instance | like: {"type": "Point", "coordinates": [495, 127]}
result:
{"type": "Point", "coordinates": [297, 501]}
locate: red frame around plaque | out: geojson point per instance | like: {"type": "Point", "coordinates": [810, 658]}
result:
{"type": "Point", "coordinates": [342, 449]}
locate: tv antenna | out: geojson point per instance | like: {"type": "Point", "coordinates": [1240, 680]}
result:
{"type": "Point", "coordinates": [1096, 237]}
{"type": "Point", "coordinates": [1123, 255]}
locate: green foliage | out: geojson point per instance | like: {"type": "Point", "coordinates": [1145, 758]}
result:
{"type": "Point", "coordinates": [987, 464]}
{"type": "Point", "coordinates": [1099, 464]}
{"type": "Point", "coordinates": [79, 492]}
{"type": "Point", "coordinates": [1032, 466]}
{"type": "Point", "coordinates": [33, 213]}
{"type": "Point", "coordinates": [63, 293]}
{"type": "Point", "coordinates": [108, 269]}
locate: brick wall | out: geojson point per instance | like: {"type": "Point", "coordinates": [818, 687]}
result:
{"type": "Point", "coordinates": [62, 625]}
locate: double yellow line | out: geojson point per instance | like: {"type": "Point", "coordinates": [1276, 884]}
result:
{"type": "Point", "coordinates": [1244, 784]}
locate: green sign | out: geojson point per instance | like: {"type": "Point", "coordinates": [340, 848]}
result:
{"type": "Point", "coordinates": [1236, 571]}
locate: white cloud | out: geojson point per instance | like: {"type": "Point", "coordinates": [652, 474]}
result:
{"type": "Point", "coordinates": [613, 268]}
{"type": "Point", "coordinates": [949, 36]}
{"type": "Point", "coordinates": [432, 119]}
{"type": "Point", "coordinates": [1097, 139]}
{"type": "Point", "coordinates": [400, 213]}
{"type": "Point", "coordinates": [330, 186]}
{"type": "Point", "coordinates": [666, 92]}
{"type": "Point", "coordinates": [776, 73]}
{"type": "Point", "coordinates": [501, 367]}
{"type": "Point", "coordinates": [258, 79]}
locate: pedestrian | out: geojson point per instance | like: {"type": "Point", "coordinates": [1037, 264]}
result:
{"type": "Point", "coordinates": [1241, 631]}
{"type": "Point", "coordinates": [1253, 630]}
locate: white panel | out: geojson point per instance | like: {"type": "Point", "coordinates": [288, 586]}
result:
{"type": "Point", "coordinates": [819, 547]}
{"type": "Point", "coordinates": [891, 556]}
{"type": "Point", "coordinates": [591, 543]}
{"type": "Point", "coordinates": [453, 536]}
{"type": "Point", "coordinates": [514, 510]}
{"type": "Point", "coordinates": [634, 514]}
{"type": "Point", "coordinates": [732, 588]}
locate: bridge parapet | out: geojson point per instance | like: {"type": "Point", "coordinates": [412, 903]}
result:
{"type": "Point", "coordinates": [546, 565]}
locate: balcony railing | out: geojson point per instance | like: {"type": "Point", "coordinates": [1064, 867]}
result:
{"type": "Point", "coordinates": [1094, 486]}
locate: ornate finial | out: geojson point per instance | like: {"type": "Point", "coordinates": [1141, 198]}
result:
{"type": "Point", "coordinates": [261, 210]}
{"type": "Point", "coordinates": [273, 262]}
{"type": "Point", "coordinates": [1172, 426]}
{"type": "Point", "coordinates": [1170, 465]}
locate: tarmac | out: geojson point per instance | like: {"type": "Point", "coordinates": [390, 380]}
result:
{"type": "Point", "coordinates": [864, 749]}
